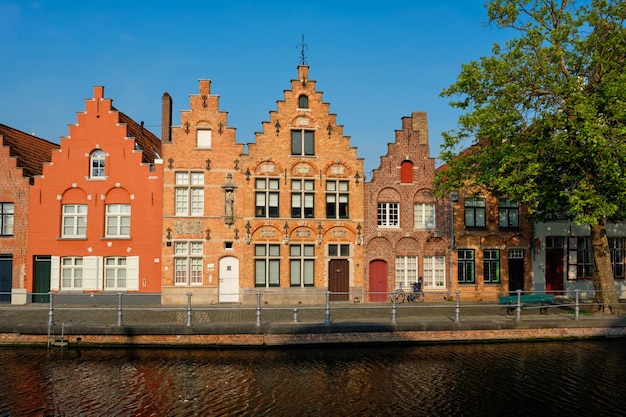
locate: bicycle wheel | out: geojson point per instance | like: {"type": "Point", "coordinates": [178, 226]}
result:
{"type": "Point", "coordinates": [419, 297]}
{"type": "Point", "coordinates": [398, 296]}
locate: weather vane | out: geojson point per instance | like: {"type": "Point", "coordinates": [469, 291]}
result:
{"type": "Point", "coordinates": [303, 49]}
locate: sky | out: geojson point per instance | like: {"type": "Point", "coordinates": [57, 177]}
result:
{"type": "Point", "coordinates": [374, 61]}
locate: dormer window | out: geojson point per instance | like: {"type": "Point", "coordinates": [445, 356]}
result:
{"type": "Point", "coordinates": [303, 102]}
{"type": "Point", "coordinates": [97, 164]}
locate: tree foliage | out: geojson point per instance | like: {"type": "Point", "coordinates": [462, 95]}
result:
{"type": "Point", "coordinates": [546, 112]}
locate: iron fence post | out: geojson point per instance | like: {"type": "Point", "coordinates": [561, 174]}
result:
{"type": "Point", "coordinates": [119, 309]}
{"type": "Point", "coordinates": [393, 308]}
{"type": "Point", "coordinates": [51, 310]}
{"type": "Point", "coordinates": [457, 310]}
{"type": "Point", "coordinates": [518, 308]}
{"type": "Point", "coordinates": [577, 305]}
{"type": "Point", "coordinates": [327, 320]}
{"type": "Point", "coordinates": [258, 309]}
{"type": "Point", "coordinates": [295, 315]}
{"type": "Point", "coordinates": [189, 313]}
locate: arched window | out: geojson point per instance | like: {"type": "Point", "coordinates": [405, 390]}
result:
{"type": "Point", "coordinates": [406, 172]}
{"type": "Point", "coordinates": [303, 102]}
{"type": "Point", "coordinates": [97, 159]}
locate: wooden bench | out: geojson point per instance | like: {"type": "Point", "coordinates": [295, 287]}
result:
{"type": "Point", "coordinates": [544, 300]}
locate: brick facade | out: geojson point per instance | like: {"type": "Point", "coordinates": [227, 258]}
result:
{"type": "Point", "coordinates": [406, 226]}
{"type": "Point", "coordinates": [95, 213]}
{"type": "Point", "coordinates": [21, 159]}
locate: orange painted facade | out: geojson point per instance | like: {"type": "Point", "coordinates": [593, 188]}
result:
{"type": "Point", "coordinates": [96, 212]}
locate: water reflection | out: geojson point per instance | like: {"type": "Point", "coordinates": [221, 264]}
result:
{"type": "Point", "coordinates": [521, 379]}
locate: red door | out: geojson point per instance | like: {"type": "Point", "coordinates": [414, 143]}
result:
{"type": "Point", "coordinates": [339, 279]}
{"type": "Point", "coordinates": [554, 270]}
{"type": "Point", "coordinates": [378, 281]}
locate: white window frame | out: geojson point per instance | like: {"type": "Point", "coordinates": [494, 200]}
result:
{"type": "Point", "coordinates": [337, 196]}
{"type": "Point", "coordinates": [302, 265]}
{"type": "Point", "coordinates": [267, 265]}
{"type": "Point", "coordinates": [117, 220]}
{"type": "Point", "coordinates": [74, 221]}
{"type": "Point", "coordinates": [267, 197]}
{"type": "Point", "coordinates": [389, 215]}
{"type": "Point", "coordinates": [188, 261]}
{"type": "Point", "coordinates": [115, 273]}
{"type": "Point", "coordinates": [406, 271]}
{"type": "Point", "coordinates": [7, 219]}
{"type": "Point", "coordinates": [302, 199]}
{"type": "Point", "coordinates": [189, 193]}
{"type": "Point", "coordinates": [424, 215]}
{"type": "Point", "coordinates": [203, 138]}
{"type": "Point", "coordinates": [303, 142]}
{"type": "Point", "coordinates": [97, 164]}
{"type": "Point", "coordinates": [434, 272]}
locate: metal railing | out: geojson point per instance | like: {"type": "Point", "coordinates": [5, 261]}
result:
{"type": "Point", "coordinates": [466, 305]}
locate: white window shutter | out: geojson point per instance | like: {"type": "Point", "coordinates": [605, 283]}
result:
{"type": "Point", "coordinates": [90, 273]}
{"type": "Point", "coordinates": [55, 273]}
{"type": "Point", "coordinates": [132, 273]}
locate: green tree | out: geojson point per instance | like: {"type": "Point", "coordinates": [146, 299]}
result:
{"type": "Point", "coordinates": [545, 115]}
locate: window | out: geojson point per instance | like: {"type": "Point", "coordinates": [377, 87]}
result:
{"type": "Point", "coordinates": [72, 273]}
{"type": "Point", "coordinates": [466, 266]}
{"type": "Point", "coordinates": [7, 218]}
{"type": "Point", "coordinates": [508, 213]}
{"type": "Point", "coordinates": [97, 163]}
{"type": "Point", "coordinates": [491, 264]}
{"type": "Point", "coordinates": [339, 250]}
{"type": "Point", "coordinates": [388, 215]}
{"type": "Point", "coordinates": [266, 197]}
{"type": "Point", "coordinates": [302, 198]}
{"type": "Point", "coordinates": [424, 215]}
{"type": "Point", "coordinates": [474, 212]}
{"type": "Point", "coordinates": [616, 246]}
{"type": "Point", "coordinates": [188, 263]}
{"type": "Point", "coordinates": [203, 138]}
{"type": "Point", "coordinates": [434, 272]}
{"type": "Point", "coordinates": [337, 199]}
{"type": "Point", "coordinates": [406, 172]}
{"type": "Point", "coordinates": [303, 142]}
{"type": "Point", "coordinates": [303, 102]}
{"type": "Point", "coordinates": [302, 265]}
{"type": "Point", "coordinates": [267, 265]}
{"type": "Point", "coordinates": [580, 258]}
{"type": "Point", "coordinates": [406, 271]}
{"type": "Point", "coordinates": [74, 221]}
{"type": "Point", "coordinates": [114, 273]}
{"type": "Point", "coordinates": [118, 220]}
{"type": "Point", "coordinates": [189, 194]}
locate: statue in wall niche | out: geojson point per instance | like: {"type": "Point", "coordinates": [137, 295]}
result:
{"type": "Point", "coordinates": [229, 200]}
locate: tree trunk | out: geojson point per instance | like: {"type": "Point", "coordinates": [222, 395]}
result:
{"type": "Point", "coordinates": [606, 299]}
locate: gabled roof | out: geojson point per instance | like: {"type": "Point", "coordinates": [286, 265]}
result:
{"type": "Point", "coordinates": [31, 152]}
{"type": "Point", "coordinates": [144, 139]}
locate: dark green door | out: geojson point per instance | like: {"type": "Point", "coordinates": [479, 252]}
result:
{"type": "Point", "coordinates": [42, 280]}
{"type": "Point", "coordinates": [6, 276]}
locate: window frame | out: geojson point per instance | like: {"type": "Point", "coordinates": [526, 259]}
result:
{"type": "Point", "coordinates": [75, 217]}
{"type": "Point", "coordinates": [302, 265]}
{"type": "Point", "coordinates": [121, 219]}
{"type": "Point", "coordinates": [508, 213]}
{"type": "Point", "coordinates": [188, 263]}
{"type": "Point", "coordinates": [406, 267]}
{"type": "Point", "coordinates": [302, 142]}
{"type": "Point", "coordinates": [491, 266]}
{"type": "Point", "coordinates": [434, 272]}
{"type": "Point", "coordinates": [388, 215]}
{"type": "Point", "coordinates": [72, 272]}
{"type": "Point", "coordinates": [617, 247]}
{"type": "Point", "coordinates": [303, 195]}
{"type": "Point", "coordinates": [473, 206]}
{"type": "Point", "coordinates": [97, 164]}
{"type": "Point", "coordinates": [269, 193]}
{"type": "Point", "coordinates": [118, 270]}
{"type": "Point", "coordinates": [466, 267]}
{"type": "Point", "coordinates": [7, 219]}
{"type": "Point", "coordinates": [580, 263]}
{"type": "Point", "coordinates": [422, 219]}
{"type": "Point", "coordinates": [337, 199]}
{"type": "Point", "coordinates": [189, 194]}
{"type": "Point", "coordinates": [267, 265]}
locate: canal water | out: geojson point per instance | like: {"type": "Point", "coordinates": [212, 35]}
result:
{"type": "Point", "coordinates": [574, 378]}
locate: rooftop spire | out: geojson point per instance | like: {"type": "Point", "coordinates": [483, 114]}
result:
{"type": "Point", "coordinates": [303, 48]}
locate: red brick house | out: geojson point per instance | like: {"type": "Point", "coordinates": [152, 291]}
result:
{"type": "Point", "coordinates": [96, 212]}
{"type": "Point", "coordinates": [407, 227]}
{"type": "Point", "coordinates": [21, 160]}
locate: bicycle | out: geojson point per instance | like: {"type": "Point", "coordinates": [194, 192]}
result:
{"type": "Point", "coordinates": [415, 296]}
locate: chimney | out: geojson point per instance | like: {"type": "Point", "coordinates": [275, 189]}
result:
{"type": "Point", "coordinates": [166, 118]}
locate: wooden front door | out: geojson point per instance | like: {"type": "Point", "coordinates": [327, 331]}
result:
{"type": "Point", "coordinates": [41, 282]}
{"type": "Point", "coordinates": [554, 271]}
{"type": "Point", "coordinates": [378, 281]}
{"type": "Point", "coordinates": [6, 277]}
{"type": "Point", "coordinates": [339, 279]}
{"type": "Point", "coordinates": [228, 288]}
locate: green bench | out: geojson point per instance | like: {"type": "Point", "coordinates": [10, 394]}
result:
{"type": "Point", "coordinates": [544, 300]}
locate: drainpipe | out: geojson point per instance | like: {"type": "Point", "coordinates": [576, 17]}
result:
{"type": "Point", "coordinates": [454, 196]}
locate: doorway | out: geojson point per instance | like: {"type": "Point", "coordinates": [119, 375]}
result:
{"type": "Point", "coordinates": [554, 264]}
{"type": "Point", "coordinates": [41, 286]}
{"type": "Point", "coordinates": [228, 287]}
{"type": "Point", "coordinates": [378, 281]}
{"type": "Point", "coordinates": [516, 269]}
{"type": "Point", "coordinates": [339, 279]}
{"type": "Point", "coordinates": [6, 277]}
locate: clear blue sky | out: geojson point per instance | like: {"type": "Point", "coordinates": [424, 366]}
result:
{"type": "Point", "coordinates": [375, 61]}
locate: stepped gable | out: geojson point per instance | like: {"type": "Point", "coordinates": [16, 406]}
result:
{"type": "Point", "coordinates": [30, 151]}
